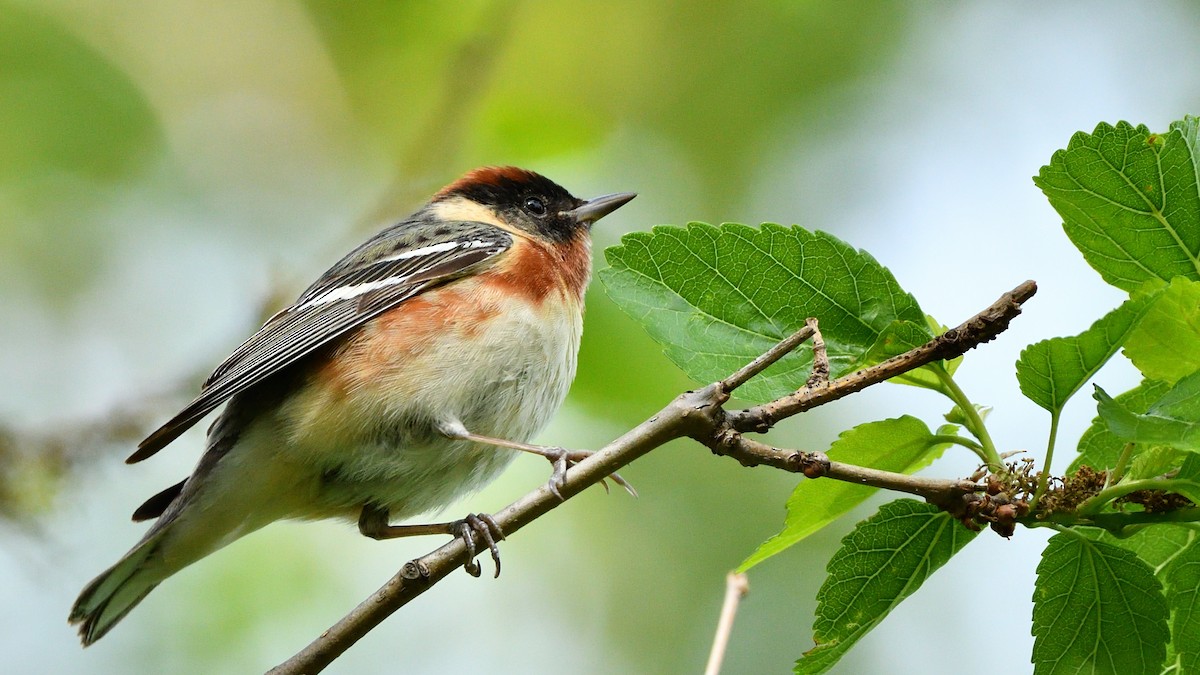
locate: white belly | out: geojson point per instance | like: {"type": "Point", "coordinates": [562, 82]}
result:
{"type": "Point", "coordinates": [380, 446]}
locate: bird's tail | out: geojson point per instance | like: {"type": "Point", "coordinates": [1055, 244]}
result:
{"type": "Point", "coordinates": [117, 590]}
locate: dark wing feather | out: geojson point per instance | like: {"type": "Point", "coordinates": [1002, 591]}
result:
{"type": "Point", "coordinates": [156, 505]}
{"type": "Point", "coordinates": [365, 284]}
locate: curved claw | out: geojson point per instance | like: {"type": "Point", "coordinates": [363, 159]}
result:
{"type": "Point", "coordinates": [623, 483]}
{"type": "Point", "coordinates": [489, 530]}
{"type": "Point", "coordinates": [563, 459]}
{"type": "Point", "coordinates": [473, 568]}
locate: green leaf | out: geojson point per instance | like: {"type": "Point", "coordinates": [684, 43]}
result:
{"type": "Point", "coordinates": [1154, 461]}
{"type": "Point", "coordinates": [1158, 461]}
{"type": "Point", "coordinates": [1186, 480]}
{"type": "Point", "coordinates": [1051, 371]}
{"type": "Point", "coordinates": [1190, 469]}
{"type": "Point", "coordinates": [1157, 546]}
{"type": "Point", "coordinates": [1173, 420]}
{"type": "Point", "coordinates": [1166, 344]}
{"type": "Point", "coordinates": [883, 561]}
{"type": "Point", "coordinates": [901, 445]}
{"type": "Point", "coordinates": [1096, 608]}
{"type": "Point", "coordinates": [1183, 597]}
{"type": "Point", "coordinates": [1129, 201]}
{"type": "Point", "coordinates": [957, 416]}
{"type": "Point", "coordinates": [717, 297]}
{"type": "Point", "coordinates": [1099, 447]}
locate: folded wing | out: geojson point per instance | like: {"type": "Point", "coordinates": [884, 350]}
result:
{"type": "Point", "coordinates": [379, 275]}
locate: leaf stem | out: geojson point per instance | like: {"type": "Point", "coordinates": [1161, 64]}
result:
{"type": "Point", "coordinates": [1118, 471]}
{"type": "Point", "coordinates": [974, 423]}
{"type": "Point", "coordinates": [1044, 474]}
{"type": "Point", "coordinates": [1118, 524]}
{"type": "Point", "coordinates": [965, 442]}
{"type": "Point", "coordinates": [1098, 501]}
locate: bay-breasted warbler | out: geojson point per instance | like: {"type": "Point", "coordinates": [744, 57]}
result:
{"type": "Point", "coordinates": [404, 377]}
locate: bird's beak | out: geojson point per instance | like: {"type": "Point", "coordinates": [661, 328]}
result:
{"type": "Point", "coordinates": [595, 209]}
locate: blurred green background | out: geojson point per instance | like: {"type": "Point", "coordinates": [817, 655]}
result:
{"type": "Point", "coordinates": [171, 170]}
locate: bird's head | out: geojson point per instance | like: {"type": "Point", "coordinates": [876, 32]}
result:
{"type": "Point", "coordinates": [523, 202]}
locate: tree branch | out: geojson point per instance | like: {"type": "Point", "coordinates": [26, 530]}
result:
{"type": "Point", "coordinates": [699, 415]}
{"type": "Point", "coordinates": [417, 576]}
{"type": "Point", "coordinates": [941, 492]}
{"type": "Point", "coordinates": [981, 328]}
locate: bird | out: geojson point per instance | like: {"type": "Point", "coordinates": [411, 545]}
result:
{"type": "Point", "coordinates": [404, 377]}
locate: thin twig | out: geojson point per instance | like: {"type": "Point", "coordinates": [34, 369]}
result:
{"type": "Point", "coordinates": [820, 366]}
{"type": "Point", "coordinates": [769, 357]}
{"type": "Point", "coordinates": [736, 588]}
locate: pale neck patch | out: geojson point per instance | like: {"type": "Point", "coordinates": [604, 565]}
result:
{"type": "Point", "coordinates": [461, 208]}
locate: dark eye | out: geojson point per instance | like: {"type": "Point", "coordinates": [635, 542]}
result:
{"type": "Point", "coordinates": [535, 206]}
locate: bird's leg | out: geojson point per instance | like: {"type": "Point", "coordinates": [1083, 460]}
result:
{"type": "Point", "coordinates": [373, 523]}
{"type": "Point", "coordinates": [560, 458]}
